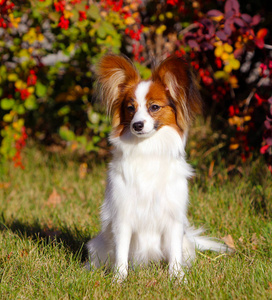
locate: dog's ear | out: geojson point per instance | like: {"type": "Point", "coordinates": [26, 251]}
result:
{"type": "Point", "coordinates": [113, 73]}
{"type": "Point", "coordinates": [176, 76]}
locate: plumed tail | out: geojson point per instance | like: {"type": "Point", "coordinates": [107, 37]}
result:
{"type": "Point", "coordinates": [203, 243]}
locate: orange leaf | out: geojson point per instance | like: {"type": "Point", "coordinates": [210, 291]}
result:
{"type": "Point", "coordinates": [262, 33]}
{"type": "Point", "coordinates": [83, 168]}
{"type": "Point", "coordinates": [54, 199]}
{"type": "Point", "coordinates": [211, 169]}
{"type": "Point", "coordinates": [4, 185]}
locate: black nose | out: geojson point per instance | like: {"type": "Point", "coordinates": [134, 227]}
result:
{"type": "Point", "coordinates": [138, 126]}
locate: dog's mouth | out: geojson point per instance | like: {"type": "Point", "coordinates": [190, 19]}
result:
{"type": "Point", "coordinates": [143, 134]}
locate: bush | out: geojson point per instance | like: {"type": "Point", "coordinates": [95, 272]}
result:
{"type": "Point", "coordinates": [48, 49]}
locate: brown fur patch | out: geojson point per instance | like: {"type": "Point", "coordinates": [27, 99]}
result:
{"type": "Point", "coordinates": [175, 75]}
{"type": "Point", "coordinates": [166, 115]}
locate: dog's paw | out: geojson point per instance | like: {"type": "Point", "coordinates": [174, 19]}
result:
{"type": "Point", "coordinates": [120, 274]}
{"type": "Point", "coordinates": [178, 274]}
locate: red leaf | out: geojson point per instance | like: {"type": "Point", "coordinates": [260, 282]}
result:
{"type": "Point", "coordinates": [232, 5]}
{"type": "Point", "coordinates": [193, 44]}
{"type": "Point", "coordinates": [236, 6]}
{"type": "Point", "coordinates": [260, 37]}
{"type": "Point", "coordinates": [221, 35]}
{"type": "Point", "coordinates": [227, 27]}
{"type": "Point", "coordinates": [264, 149]}
{"type": "Point", "coordinates": [239, 22]}
{"type": "Point", "coordinates": [247, 18]}
{"type": "Point", "coordinates": [255, 20]}
{"type": "Point", "coordinates": [228, 6]}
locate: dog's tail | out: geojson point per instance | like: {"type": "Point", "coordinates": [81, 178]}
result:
{"type": "Point", "coordinates": [203, 243]}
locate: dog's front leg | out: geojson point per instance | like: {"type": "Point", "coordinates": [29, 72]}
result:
{"type": "Point", "coordinates": [175, 250]}
{"type": "Point", "coordinates": [122, 244]}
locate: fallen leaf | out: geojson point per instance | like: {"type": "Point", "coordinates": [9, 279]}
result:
{"type": "Point", "coordinates": [254, 241]}
{"type": "Point", "coordinates": [270, 285]}
{"type": "Point", "coordinates": [241, 239]}
{"type": "Point", "coordinates": [4, 185]}
{"type": "Point", "coordinates": [211, 169]}
{"type": "Point", "coordinates": [54, 199]}
{"type": "Point", "coordinates": [83, 170]}
{"type": "Point", "coordinates": [151, 283]}
{"type": "Point", "coordinates": [24, 253]}
{"type": "Point", "coordinates": [229, 241]}
{"type": "Point", "coordinates": [97, 283]}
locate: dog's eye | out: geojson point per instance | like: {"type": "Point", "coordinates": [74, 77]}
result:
{"type": "Point", "coordinates": [131, 108]}
{"type": "Point", "coordinates": [154, 108]}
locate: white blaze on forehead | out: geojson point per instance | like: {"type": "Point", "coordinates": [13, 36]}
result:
{"type": "Point", "coordinates": [141, 92]}
{"type": "Point", "coordinates": [142, 115]}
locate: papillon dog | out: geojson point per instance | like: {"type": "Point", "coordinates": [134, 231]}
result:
{"type": "Point", "coordinates": [144, 212]}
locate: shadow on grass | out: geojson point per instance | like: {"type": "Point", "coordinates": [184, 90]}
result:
{"type": "Point", "coordinates": [71, 238]}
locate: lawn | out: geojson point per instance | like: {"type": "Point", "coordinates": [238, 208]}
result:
{"type": "Point", "coordinates": [50, 209]}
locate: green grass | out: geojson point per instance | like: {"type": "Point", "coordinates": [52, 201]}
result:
{"type": "Point", "coordinates": [42, 239]}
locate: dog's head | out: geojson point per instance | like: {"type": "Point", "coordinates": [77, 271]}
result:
{"type": "Point", "coordinates": [169, 98]}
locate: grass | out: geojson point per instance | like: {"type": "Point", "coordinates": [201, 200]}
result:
{"type": "Point", "coordinates": [51, 209]}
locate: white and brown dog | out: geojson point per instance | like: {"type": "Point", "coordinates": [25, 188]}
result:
{"type": "Point", "coordinates": [144, 212]}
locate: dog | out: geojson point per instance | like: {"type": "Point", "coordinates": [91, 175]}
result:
{"type": "Point", "coordinates": [144, 212]}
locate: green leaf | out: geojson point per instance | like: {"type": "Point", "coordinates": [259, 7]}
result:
{"type": "Point", "coordinates": [66, 134]}
{"type": "Point", "coordinates": [108, 27]}
{"type": "Point", "coordinates": [20, 109]}
{"type": "Point", "coordinates": [93, 12]}
{"type": "Point", "coordinates": [96, 139]}
{"type": "Point", "coordinates": [40, 89]}
{"type": "Point", "coordinates": [101, 32]}
{"type": "Point", "coordinates": [82, 140]}
{"type": "Point", "coordinates": [7, 104]}
{"type": "Point", "coordinates": [64, 110]}
{"type": "Point", "coordinates": [31, 103]}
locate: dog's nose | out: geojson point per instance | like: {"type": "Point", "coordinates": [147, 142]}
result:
{"type": "Point", "coordinates": [138, 126]}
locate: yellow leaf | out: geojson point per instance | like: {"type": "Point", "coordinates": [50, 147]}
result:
{"type": "Point", "coordinates": [161, 29]}
{"type": "Point", "coordinates": [67, 14]}
{"type": "Point", "coordinates": [227, 68]}
{"type": "Point", "coordinates": [218, 51]}
{"type": "Point", "coordinates": [218, 18]}
{"type": "Point", "coordinates": [247, 118]}
{"type": "Point", "coordinates": [31, 89]}
{"type": "Point", "coordinates": [19, 84]}
{"type": "Point", "coordinates": [221, 75]}
{"type": "Point", "coordinates": [235, 64]}
{"type": "Point", "coordinates": [228, 48]}
{"type": "Point", "coordinates": [234, 146]}
{"type": "Point", "coordinates": [129, 21]}
{"type": "Point", "coordinates": [14, 21]}
{"type": "Point", "coordinates": [225, 56]}
{"type": "Point", "coordinates": [12, 77]}
{"type": "Point", "coordinates": [169, 15]}
{"type": "Point", "coordinates": [233, 81]}
{"type": "Point", "coordinates": [40, 37]}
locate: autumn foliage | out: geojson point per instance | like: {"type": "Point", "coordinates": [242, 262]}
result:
{"type": "Point", "coordinates": [48, 49]}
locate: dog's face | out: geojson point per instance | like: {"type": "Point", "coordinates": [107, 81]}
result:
{"type": "Point", "coordinates": [169, 98]}
{"type": "Point", "coordinates": [146, 109]}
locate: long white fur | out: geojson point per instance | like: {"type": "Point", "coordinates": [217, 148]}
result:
{"type": "Point", "coordinates": [144, 212]}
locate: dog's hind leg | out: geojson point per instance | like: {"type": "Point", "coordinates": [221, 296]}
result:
{"type": "Point", "coordinates": [100, 253]}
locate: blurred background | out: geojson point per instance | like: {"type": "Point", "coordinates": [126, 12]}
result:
{"type": "Point", "coordinates": [48, 50]}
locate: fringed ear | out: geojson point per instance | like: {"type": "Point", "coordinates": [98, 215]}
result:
{"type": "Point", "coordinates": [113, 73]}
{"type": "Point", "coordinates": [180, 84]}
